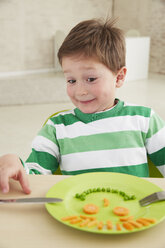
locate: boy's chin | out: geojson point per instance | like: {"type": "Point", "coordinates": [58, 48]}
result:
{"type": "Point", "coordinates": [87, 111]}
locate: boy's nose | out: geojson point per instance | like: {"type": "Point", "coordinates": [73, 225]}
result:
{"type": "Point", "coordinates": [81, 89]}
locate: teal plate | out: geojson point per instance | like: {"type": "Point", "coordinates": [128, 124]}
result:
{"type": "Point", "coordinates": [131, 185]}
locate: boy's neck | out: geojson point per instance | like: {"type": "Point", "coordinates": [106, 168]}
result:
{"type": "Point", "coordinates": [115, 102]}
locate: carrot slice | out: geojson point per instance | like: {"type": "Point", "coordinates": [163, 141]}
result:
{"type": "Point", "coordinates": [150, 220]}
{"type": "Point", "coordinates": [84, 223]}
{"type": "Point", "coordinates": [135, 224]}
{"type": "Point", "coordinates": [69, 218]}
{"type": "Point", "coordinates": [92, 223]}
{"type": "Point", "coordinates": [75, 221]}
{"type": "Point", "coordinates": [90, 209]}
{"type": "Point", "coordinates": [118, 227]}
{"type": "Point", "coordinates": [87, 217]}
{"type": "Point", "coordinates": [126, 218]}
{"type": "Point", "coordinates": [121, 211]}
{"type": "Point", "coordinates": [106, 202]}
{"type": "Point", "coordinates": [109, 225]}
{"type": "Point", "coordinates": [143, 222]}
{"type": "Point", "coordinates": [100, 225]}
{"type": "Point", "coordinates": [128, 226]}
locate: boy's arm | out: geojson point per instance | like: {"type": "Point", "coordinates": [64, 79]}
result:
{"type": "Point", "coordinates": [44, 158]}
{"type": "Point", "coordinates": [11, 167]}
{"type": "Point", "coordinates": [155, 142]}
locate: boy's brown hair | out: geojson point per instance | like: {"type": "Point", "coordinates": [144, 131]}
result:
{"type": "Point", "coordinates": [98, 39]}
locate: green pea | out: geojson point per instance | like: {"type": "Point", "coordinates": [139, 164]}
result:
{"type": "Point", "coordinates": [108, 190]}
{"type": "Point", "coordinates": [132, 197]}
{"type": "Point", "coordinates": [94, 190]}
{"type": "Point", "coordinates": [82, 196]}
{"type": "Point", "coordinates": [122, 193]}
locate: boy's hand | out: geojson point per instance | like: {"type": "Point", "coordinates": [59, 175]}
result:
{"type": "Point", "coordinates": [11, 167]}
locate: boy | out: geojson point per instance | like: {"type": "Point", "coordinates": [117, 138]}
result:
{"type": "Point", "coordinates": [102, 133]}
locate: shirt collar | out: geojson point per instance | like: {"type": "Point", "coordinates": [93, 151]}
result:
{"type": "Point", "coordinates": [86, 118]}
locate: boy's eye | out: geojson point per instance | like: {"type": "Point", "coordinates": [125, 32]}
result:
{"type": "Point", "coordinates": [91, 79]}
{"type": "Point", "coordinates": [71, 81]}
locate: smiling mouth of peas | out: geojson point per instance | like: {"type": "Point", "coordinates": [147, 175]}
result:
{"type": "Point", "coordinates": [126, 197]}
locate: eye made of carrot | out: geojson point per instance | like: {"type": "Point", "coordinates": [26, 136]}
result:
{"type": "Point", "coordinates": [121, 211]}
{"type": "Point", "coordinates": [90, 209]}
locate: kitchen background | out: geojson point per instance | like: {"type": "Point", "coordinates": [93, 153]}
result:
{"type": "Point", "coordinates": [31, 84]}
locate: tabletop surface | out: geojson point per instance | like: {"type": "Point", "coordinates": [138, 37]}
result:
{"type": "Point", "coordinates": [32, 226]}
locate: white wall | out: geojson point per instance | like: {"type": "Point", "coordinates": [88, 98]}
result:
{"type": "Point", "coordinates": [28, 26]}
{"type": "Point", "coordinates": [146, 16]}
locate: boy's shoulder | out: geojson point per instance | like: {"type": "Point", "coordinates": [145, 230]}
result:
{"type": "Point", "coordinates": [61, 113]}
{"type": "Point", "coordinates": [136, 109]}
{"type": "Point", "coordinates": [62, 116]}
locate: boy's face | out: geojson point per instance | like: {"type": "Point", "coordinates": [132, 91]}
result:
{"type": "Point", "coordinates": [91, 86]}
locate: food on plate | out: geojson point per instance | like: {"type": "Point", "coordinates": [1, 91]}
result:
{"type": "Point", "coordinates": [123, 222]}
{"type": "Point", "coordinates": [125, 196]}
{"type": "Point", "coordinates": [75, 221]}
{"type": "Point", "coordinates": [100, 225]}
{"type": "Point", "coordinates": [106, 202]}
{"type": "Point", "coordinates": [69, 218]}
{"type": "Point", "coordinates": [90, 209]}
{"type": "Point", "coordinates": [126, 218]}
{"type": "Point", "coordinates": [118, 226]}
{"type": "Point", "coordinates": [109, 225]}
{"type": "Point", "coordinates": [121, 211]}
{"type": "Point", "coordinates": [150, 220]}
{"type": "Point", "coordinates": [127, 223]}
{"type": "Point", "coordinates": [143, 221]}
{"type": "Point", "coordinates": [135, 224]}
{"type": "Point", "coordinates": [87, 217]}
{"type": "Point", "coordinates": [84, 223]}
{"type": "Point", "coordinates": [128, 226]}
{"type": "Point", "coordinates": [92, 223]}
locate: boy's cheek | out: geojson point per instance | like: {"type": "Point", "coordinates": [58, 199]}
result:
{"type": "Point", "coordinates": [69, 91]}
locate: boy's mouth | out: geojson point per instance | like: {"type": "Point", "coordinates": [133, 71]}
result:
{"type": "Point", "coordinates": [87, 101]}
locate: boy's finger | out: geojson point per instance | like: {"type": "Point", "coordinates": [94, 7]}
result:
{"type": "Point", "coordinates": [24, 182]}
{"type": "Point", "coordinates": [4, 184]}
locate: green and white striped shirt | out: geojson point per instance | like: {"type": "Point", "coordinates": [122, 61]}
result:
{"type": "Point", "coordinates": [115, 140]}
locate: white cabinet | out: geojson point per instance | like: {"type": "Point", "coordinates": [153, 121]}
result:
{"type": "Point", "coordinates": [137, 57]}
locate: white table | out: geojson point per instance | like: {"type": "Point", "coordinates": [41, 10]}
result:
{"type": "Point", "coordinates": [31, 225]}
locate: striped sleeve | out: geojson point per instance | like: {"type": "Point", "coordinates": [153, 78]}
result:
{"type": "Point", "coordinates": [155, 142]}
{"type": "Point", "coordinates": [44, 158]}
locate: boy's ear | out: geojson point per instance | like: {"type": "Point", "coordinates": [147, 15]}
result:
{"type": "Point", "coordinates": [121, 76]}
